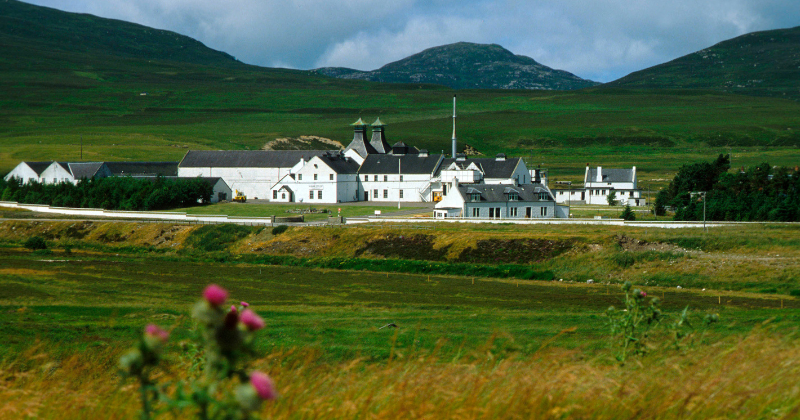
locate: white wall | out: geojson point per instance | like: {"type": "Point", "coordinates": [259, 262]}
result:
{"type": "Point", "coordinates": [253, 182]}
{"type": "Point", "coordinates": [55, 173]}
{"type": "Point", "coordinates": [23, 172]}
{"type": "Point", "coordinates": [411, 186]}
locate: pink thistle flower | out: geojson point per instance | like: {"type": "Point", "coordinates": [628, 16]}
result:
{"type": "Point", "coordinates": [244, 304]}
{"type": "Point", "coordinates": [263, 385]}
{"type": "Point", "coordinates": [233, 308]}
{"type": "Point", "coordinates": [252, 321]}
{"type": "Point", "coordinates": [215, 295]}
{"type": "Point", "coordinates": [155, 331]}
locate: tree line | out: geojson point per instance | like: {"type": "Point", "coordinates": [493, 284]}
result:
{"type": "Point", "coordinates": [757, 193]}
{"type": "Point", "coordinates": [112, 193]}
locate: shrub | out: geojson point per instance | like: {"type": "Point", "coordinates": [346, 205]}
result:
{"type": "Point", "coordinates": [628, 214]}
{"type": "Point", "coordinates": [277, 230]}
{"type": "Point", "coordinates": [35, 243]}
{"type": "Point", "coordinates": [212, 238]}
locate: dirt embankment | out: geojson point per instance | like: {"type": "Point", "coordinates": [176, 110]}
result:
{"type": "Point", "coordinates": [360, 242]}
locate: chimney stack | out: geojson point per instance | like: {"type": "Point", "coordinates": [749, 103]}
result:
{"type": "Point", "coordinates": [599, 174]}
{"type": "Point", "coordinates": [454, 126]}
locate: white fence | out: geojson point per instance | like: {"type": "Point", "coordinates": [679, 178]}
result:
{"type": "Point", "coordinates": [145, 215]}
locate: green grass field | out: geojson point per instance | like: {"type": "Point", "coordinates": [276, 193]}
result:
{"type": "Point", "coordinates": [69, 316]}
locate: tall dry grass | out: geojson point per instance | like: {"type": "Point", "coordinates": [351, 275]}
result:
{"type": "Point", "coordinates": [752, 377]}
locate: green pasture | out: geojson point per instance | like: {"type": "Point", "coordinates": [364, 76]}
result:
{"type": "Point", "coordinates": [83, 300]}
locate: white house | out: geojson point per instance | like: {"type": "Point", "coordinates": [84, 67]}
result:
{"type": "Point", "coordinates": [28, 171]}
{"type": "Point", "coordinates": [499, 201]}
{"type": "Point", "coordinates": [599, 183]}
{"type": "Point", "coordinates": [56, 172]}
{"type": "Point", "coordinates": [329, 178]}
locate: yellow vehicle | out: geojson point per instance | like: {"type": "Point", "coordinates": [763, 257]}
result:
{"type": "Point", "coordinates": [239, 197]}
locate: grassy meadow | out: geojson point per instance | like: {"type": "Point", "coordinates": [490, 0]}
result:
{"type": "Point", "coordinates": [507, 347]}
{"type": "Point", "coordinates": [510, 348]}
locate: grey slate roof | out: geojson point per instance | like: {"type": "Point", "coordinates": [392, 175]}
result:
{"type": "Point", "coordinates": [142, 168]}
{"type": "Point", "coordinates": [247, 158]}
{"type": "Point", "coordinates": [407, 164]}
{"type": "Point", "coordinates": [340, 164]}
{"type": "Point", "coordinates": [491, 193]}
{"type": "Point", "coordinates": [360, 145]}
{"type": "Point", "coordinates": [491, 167]}
{"type": "Point", "coordinates": [81, 170]}
{"type": "Point", "coordinates": [38, 167]}
{"type": "Point", "coordinates": [379, 142]}
{"type": "Point", "coordinates": [611, 175]}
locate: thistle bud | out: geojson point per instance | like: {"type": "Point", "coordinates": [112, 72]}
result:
{"type": "Point", "coordinates": [626, 286]}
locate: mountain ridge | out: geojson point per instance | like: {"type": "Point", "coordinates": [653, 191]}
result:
{"type": "Point", "coordinates": [465, 65]}
{"type": "Point", "coordinates": [763, 63]}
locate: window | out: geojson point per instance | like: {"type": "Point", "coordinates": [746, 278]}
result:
{"type": "Point", "coordinates": [319, 194]}
{"type": "Point", "coordinates": [512, 196]}
{"type": "Point", "coordinates": [543, 196]}
{"type": "Point", "coordinates": [474, 197]}
{"type": "Point", "coordinates": [401, 178]}
{"type": "Point", "coordinates": [375, 192]}
{"type": "Point", "coordinates": [385, 178]}
{"type": "Point", "coordinates": [444, 189]}
{"type": "Point", "coordinates": [630, 194]}
{"type": "Point", "coordinates": [330, 177]}
{"type": "Point", "coordinates": [604, 192]}
{"type": "Point", "coordinates": [366, 177]}
{"type": "Point", "coordinates": [385, 193]}
{"type": "Point", "coordinates": [315, 177]}
{"type": "Point", "coordinates": [375, 178]}
{"type": "Point", "coordinates": [283, 196]}
{"type": "Point", "coordinates": [275, 194]}
{"type": "Point", "coordinates": [512, 212]}
{"type": "Point", "coordinates": [476, 212]}
{"type": "Point", "coordinates": [299, 177]}
{"type": "Point", "coordinates": [311, 195]}
{"type": "Point", "coordinates": [401, 193]}
{"type": "Point", "coordinates": [543, 211]}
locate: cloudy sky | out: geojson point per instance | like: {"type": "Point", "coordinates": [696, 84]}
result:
{"type": "Point", "coordinates": [600, 40]}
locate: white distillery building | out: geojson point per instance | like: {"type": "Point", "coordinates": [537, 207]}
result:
{"type": "Point", "coordinates": [252, 172]}
{"type": "Point", "coordinates": [499, 201]}
{"type": "Point", "coordinates": [328, 178]}
{"type": "Point", "coordinates": [599, 183]}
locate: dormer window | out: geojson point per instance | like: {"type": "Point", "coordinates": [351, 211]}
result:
{"type": "Point", "coordinates": [512, 196]}
{"type": "Point", "coordinates": [474, 197]}
{"type": "Point", "coordinates": [543, 196]}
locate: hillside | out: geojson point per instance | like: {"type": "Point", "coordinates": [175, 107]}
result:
{"type": "Point", "coordinates": [760, 63]}
{"type": "Point", "coordinates": [468, 66]}
{"type": "Point", "coordinates": [26, 27]}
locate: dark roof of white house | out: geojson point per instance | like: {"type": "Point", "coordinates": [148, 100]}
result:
{"type": "Point", "coordinates": [406, 164]}
{"type": "Point", "coordinates": [38, 167]}
{"type": "Point", "coordinates": [142, 168]}
{"type": "Point", "coordinates": [491, 167]}
{"type": "Point", "coordinates": [611, 175]}
{"type": "Point", "coordinates": [340, 164]}
{"type": "Point", "coordinates": [247, 158]}
{"type": "Point", "coordinates": [81, 170]}
{"type": "Point", "coordinates": [491, 193]}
